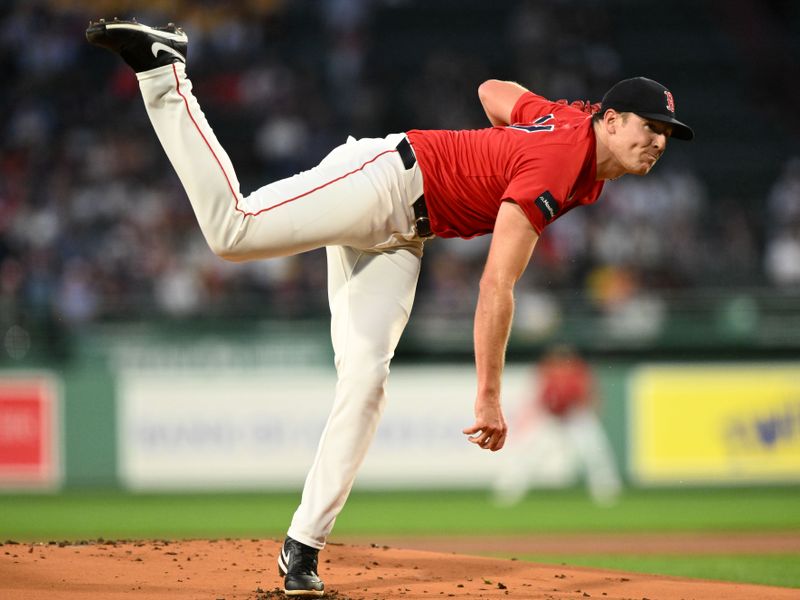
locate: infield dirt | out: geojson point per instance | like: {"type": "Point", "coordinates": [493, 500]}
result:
{"type": "Point", "coordinates": [246, 569]}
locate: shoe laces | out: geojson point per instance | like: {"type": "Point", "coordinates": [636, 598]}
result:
{"type": "Point", "coordinates": [304, 559]}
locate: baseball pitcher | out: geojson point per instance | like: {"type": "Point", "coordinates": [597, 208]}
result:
{"type": "Point", "coordinates": [373, 204]}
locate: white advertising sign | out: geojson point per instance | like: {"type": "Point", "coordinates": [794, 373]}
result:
{"type": "Point", "coordinates": [251, 428]}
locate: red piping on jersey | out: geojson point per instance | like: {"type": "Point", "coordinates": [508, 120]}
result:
{"type": "Point", "coordinates": [227, 179]}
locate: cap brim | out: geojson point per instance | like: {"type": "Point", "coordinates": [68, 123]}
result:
{"type": "Point", "coordinates": [680, 131]}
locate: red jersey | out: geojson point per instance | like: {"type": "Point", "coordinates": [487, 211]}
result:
{"type": "Point", "coordinates": [565, 384]}
{"type": "Point", "coordinates": [545, 162]}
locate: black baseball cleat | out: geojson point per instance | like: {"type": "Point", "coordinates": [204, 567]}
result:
{"type": "Point", "coordinates": [142, 47]}
{"type": "Point", "coordinates": [297, 564]}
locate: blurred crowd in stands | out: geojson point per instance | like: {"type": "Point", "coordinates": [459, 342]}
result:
{"type": "Point", "coordinates": [95, 226]}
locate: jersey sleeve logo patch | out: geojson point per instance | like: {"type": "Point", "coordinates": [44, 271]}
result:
{"type": "Point", "coordinates": [548, 205]}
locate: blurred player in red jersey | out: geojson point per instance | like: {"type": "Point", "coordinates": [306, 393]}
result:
{"type": "Point", "coordinates": [373, 203]}
{"type": "Point", "coordinates": [558, 436]}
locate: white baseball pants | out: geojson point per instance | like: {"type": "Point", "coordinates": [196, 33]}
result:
{"type": "Point", "coordinates": [358, 204]}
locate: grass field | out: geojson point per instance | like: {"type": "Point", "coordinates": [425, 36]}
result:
{"type": "Point", "coordinates": [772, 569]}
{"type": "Point", "coordinates": [107, 514]}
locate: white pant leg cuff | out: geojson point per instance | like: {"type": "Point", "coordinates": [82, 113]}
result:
{"type": "Point", "coordinates": [159, 71]}
{"type": "Point", "coordinates": [304, 539]}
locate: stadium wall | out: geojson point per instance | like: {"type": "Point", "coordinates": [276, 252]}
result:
{"type": "Point", "coordinates": [153, 411]}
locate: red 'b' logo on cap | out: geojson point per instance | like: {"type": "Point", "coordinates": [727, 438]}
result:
{"type": "Point", "coordinates": [670, 101]}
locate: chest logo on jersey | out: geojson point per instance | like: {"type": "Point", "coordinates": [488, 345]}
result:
{"type": "Point", "coordinates": [539, 124]}
{"type": "Point", "coordinates": [548, 205]}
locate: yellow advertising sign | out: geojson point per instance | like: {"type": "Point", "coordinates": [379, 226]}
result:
{"type": "Point", "coordinates": [715, 424]}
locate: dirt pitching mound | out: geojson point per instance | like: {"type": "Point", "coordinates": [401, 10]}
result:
{"type": "Point", "coordinates": [246, 569]}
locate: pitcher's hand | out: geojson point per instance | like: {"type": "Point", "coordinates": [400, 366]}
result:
{"type": "Point", "coordinates": [489, 430]}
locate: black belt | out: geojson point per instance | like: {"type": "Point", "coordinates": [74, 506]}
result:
{"type": "Point", "coordinates": [421, 221]}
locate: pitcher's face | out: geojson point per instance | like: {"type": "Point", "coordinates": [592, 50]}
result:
{"type": "Point", "coordinates": [638, 143]}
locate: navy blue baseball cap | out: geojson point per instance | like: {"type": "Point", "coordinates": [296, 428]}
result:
{"type": "Point", "coordinates": [648, 99]}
